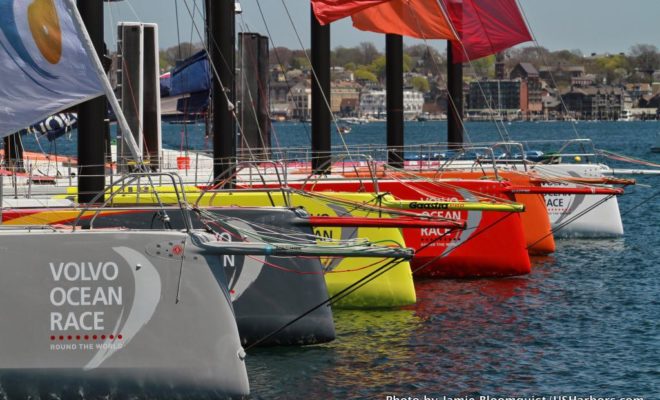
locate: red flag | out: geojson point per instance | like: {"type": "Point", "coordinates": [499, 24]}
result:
{"type": "Point", "coordinates": [485, 27]}
{"type": "Point", "coordinates": [328, 11]}
{"type": "Point", "coordinates": [422, 19]}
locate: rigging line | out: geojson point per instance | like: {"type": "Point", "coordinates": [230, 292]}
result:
{"type": "Point", "coordinates": [656, 194]}
{"type": "Point", "coordinates": [327, 301]}
{"type": "Point", "coordinates": [195, 9]}
{"type": "Point", "coordinates": [279, 62]}
{"type": "Point", "coordinates": [239, 125]}
{"type": "Point", "coordinates": [134, 101]}
{"type": "Point", "coordinates": [316, 79]}
{"type": "Point", "coordinates": [254, 105]}
{"type": "Point", "coordinates": [213, 67]}
{"type": "Point", "coordinates": [437, 65]}
{"type": "Point", "coordinates": [507, 137]}
{"type": "Point", "coordinates": [178, 31]}
{"type": "Point", "coordinates": [367, 207]}
{"type": "Point", "coordinates": [624, 158]}
{"type": "Point", "coordinates": [380, 271]}
{"type": "Point", "coordinates": [264, 231]}
{"type": "Point", "coordinates": [130, 5]}
{"type": "Point", "coordinates": [543, 59]}
{"type": "Point", "coordinates": [443, 8]}
{"type": "Point", "coordinates": [496, 120]}
{"type": "Point", "coordinates": [436, 182]}
{"type": "Point", "coordinates": [293, 271]}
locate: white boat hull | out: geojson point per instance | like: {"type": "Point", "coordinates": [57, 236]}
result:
{"type": "Point", "coordinates": [590, 216]}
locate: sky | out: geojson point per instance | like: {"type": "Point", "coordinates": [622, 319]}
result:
{"type": "Point", "coordinates": [591, 26]}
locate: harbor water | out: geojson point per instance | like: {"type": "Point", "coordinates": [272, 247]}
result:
{"type": "Point", "coordinates": [585, 322]}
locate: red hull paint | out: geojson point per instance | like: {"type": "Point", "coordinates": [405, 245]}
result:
{"type": "Point", "coordinates": [493, 244]}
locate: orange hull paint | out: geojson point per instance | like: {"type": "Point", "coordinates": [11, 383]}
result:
{"type": "Point", "coordinates": [536, 224]}
{"type": "Point", "coordinates": [492, 246]}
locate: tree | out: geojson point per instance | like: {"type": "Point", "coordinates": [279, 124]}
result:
{"type": "Point", "coordinates": [483, 67]}
{"type": "Point", "coordinates": [530, 54]}
{"type": "Point", "coordinates": [613, 68]}
{"type": "Point", "coordinates": [378, 67]}
{"type": "Point", "coordinates": [343, 55]}
{"type": "Point", "coordinates": [280, 56]}
{"type": "Point", "coordinates": [362, 74]}
{"type": "Point", "coordinates": [407, 63]}
{"type": "Point", "coordinates": [169, 57]}
{"type": "Point", "coordinates": [300, 62]}
{"type": "Point", "coordinates": [369, 52]}
{"type": "Point", "coordinates": [420, 83]}
{"type": "Point", "coordinates": [645, 57]}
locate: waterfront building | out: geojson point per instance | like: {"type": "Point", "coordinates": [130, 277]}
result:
{"type": "Point", "coordinates": [555, 75]}
{"type": "Point", "coordinates": [583, 80]}
{"type": "Point", "coordinates": [373, 103]}
{"type": "Point", "coordinates": [498, 96]}
{"type": "Point", "coordinates": [413, 103]}
{"type": "Point", "coordinates": [594, 102]}
{"type": "Point", "coordinates": [300, 101]}
{"type": "Point", "coordinates": [279, 99]}
{"type": "Point", "coordinates": [345, 93]}
{"type": "Point", "coordinates": [638, 90]}
{"type": "Point", "coordinates": [531, 90]}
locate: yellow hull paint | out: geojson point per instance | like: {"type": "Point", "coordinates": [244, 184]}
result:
{"type": "Point", "coordinates": [393, 288]}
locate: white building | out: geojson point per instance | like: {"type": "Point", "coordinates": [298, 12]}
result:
{"type": "Point", "coordinates": [373, 103]}
{"type": "Point", "coordinates": [300, 102]}
{"type": "Point", "coordinates": [413, 103]}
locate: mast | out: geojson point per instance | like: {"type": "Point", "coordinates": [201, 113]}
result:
{"type": "Point", "coordinates": [221, 27]}
{"type": "Point", "coordinates": [321, 155]}
{"type": "Point", "coordinates": [91, 115]}
{"type": "Point", "coordinates": [455, 100]}
{"type": "Point", "coordinates": [394, 86]}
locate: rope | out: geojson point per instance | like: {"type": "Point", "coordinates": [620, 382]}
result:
{"type": "Point", "coordinates": [332, 299]}
{"type": "Point", "coordinates": [279, 62]}
{"type": "Point", "coordinates": [641, 203]}
{"type": "Point", "coordinates": [620, 157]}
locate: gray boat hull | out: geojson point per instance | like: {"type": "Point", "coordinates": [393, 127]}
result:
{"type": "Point", "coordinates": [267, 292]}
{"type": "Point", "coordinates": [147, 307]}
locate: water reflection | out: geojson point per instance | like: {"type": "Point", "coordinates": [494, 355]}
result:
{"type": "Point", "coordinates": [373, 349]}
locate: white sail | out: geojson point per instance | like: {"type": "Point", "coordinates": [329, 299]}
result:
{"type": "Point", "coordinates": [43, 63]}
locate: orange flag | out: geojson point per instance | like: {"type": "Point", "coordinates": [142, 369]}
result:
{"type": "Point", "coordinates": [422, 19]}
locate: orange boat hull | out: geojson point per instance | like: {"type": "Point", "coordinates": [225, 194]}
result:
{"type": "Point", "coordinates": [536, 224]}
{"type": "Point", "coordinates": [493, 245]}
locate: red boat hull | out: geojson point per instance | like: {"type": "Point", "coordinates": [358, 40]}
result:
{"type": "Point", "coordinates": [492, 245]}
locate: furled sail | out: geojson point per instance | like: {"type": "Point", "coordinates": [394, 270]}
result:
{"type": "Point", "coordinates": [44, 66]}
{"type": "Point", "coordinates": [415, 18]}
{"type": "Point", "coordinates": [327, 11]}
{"type": "Point", "coordinates": [485, 27]}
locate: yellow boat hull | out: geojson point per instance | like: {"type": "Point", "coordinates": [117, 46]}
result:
{"type": "Point", "coordinates": [393, 286]}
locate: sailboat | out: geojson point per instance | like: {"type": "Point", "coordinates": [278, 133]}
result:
{"type": "Point", "coordinates": [476, 30]}
{"type": "Point", "coordinates": [111, 303]}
